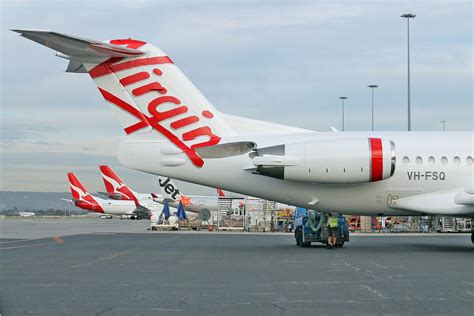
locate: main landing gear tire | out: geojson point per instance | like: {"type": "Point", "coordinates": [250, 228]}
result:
{"type": "Point", "coordinates": [299, 240]}
{"type": "Point", "coordinates": [298, 237]}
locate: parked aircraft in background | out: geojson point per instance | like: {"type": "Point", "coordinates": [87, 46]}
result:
{"type": "Point", "coordinates": [27, 214]}
{"type": "Point", "coordinates": [83, 199]}
{"type": "Point", "coordinates": [172, 195]}
{"type": "Point", "coordinates": [173, 130]}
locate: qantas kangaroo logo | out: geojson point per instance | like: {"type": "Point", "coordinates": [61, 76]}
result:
{"type": "Point", "coordinates": [156, 117]}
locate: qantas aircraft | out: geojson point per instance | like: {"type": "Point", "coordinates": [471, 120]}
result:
{"type": "Point", "coordinates": [118, 190]}
{"type": "Point", "coordinates": [173, 130]}
{"type": "Point", "coordinates": [83, 199]}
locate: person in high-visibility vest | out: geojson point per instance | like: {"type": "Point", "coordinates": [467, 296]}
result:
{"type": "Point", "coordinates": [333, 224]}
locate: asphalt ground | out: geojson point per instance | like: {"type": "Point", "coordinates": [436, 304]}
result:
{"type": "Point", "coordinates": [110, 271]}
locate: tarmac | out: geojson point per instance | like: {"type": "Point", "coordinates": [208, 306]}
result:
{"type": "Point", "coordinates": [114, 267]}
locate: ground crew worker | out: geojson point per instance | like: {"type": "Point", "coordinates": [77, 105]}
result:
{"type": "Point", "coordinates": [333, 224]}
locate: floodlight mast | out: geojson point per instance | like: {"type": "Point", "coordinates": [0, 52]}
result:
{"type": "Point", "coordinates": [408, 16]}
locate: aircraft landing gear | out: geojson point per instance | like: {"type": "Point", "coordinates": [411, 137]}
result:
{"type": "Point", "coordinates": [472, 230]}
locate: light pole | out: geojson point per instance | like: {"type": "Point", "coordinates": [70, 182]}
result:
{"type": "Point", "coordinates": [408, 16]}
{"type": "Point", "coordinates": [372, 87]}
{"type": "Point", "coordinates": [443, 122]}
{"type": "Point", "coordinates": [342, 99]}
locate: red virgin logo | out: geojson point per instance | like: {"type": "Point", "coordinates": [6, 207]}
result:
{"type": "Point", "coordinates": [178, 114]}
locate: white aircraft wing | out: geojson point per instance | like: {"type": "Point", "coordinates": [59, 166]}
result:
{"type": "Point", "coordinates": [142, 210]}
{"type": "Point", "coordinates": [459, 201]}
{"type": "Point", "coordinates": [465, 197]}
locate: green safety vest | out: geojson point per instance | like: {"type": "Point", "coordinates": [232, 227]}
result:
{"type": "Point", "coordinates": [333, 222]}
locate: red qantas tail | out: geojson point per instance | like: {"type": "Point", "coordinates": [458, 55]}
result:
{"type": "Point", "coordinates": [115, 187]}
{"type": "Point", "coordinates": [82, 198]}
{"type": "Point", "coordinates": [77, 189]}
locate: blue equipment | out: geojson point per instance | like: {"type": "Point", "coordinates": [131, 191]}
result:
{"type": "Point", "coordinates": [311, 226]}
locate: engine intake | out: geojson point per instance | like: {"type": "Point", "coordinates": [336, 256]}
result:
{"type": "Point", "coordinates": [356, 160]}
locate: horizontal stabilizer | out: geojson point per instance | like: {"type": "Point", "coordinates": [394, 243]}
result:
{"type": "Point", "coordinates": [113, 196]}
{"type": "Point", "coordinates": [78, 49]}
{"type": "Point", "coordinates": [69, 201]}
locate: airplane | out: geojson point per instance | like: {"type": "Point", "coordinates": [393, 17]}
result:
{"type": "Point", "coordinates": [172, 195]}
{"type": "Point", "coordinates": [173, 130]}
{"type": "Point", "coordinates": [83, 199]}
{"type": "Point", "coordinates": [27, 214]}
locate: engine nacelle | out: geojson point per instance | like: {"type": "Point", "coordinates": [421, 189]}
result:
{"type": "Point", "coordinates": [356, 160]}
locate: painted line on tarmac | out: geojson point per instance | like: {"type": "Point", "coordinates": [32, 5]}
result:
{"type": "Point", "coordinates": [57, 240]}
{"type": "Point", "coordinates": [13, 241]}
{"type": "Point", "coordinates": [166, 310]}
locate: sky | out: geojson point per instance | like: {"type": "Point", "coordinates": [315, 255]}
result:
{"type": "Point", "coordinates": [280, 61]}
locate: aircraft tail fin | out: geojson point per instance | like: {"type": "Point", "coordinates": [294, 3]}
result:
{"type": "Point", "coordinates": [78, 191]}
{"type": "Point", "coordinates": [169, 190]}
{"type": "Point", "coordinates": [115, 187]}
{"type": "Point", "coordinates": [147, 91]}
{"type": "Point", "coordinates": [80, 196]}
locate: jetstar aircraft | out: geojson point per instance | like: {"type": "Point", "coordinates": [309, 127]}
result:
{"type": "Point", "coordinates": [83, 199]}
{"type": "Point", "coordinates": [192, 203]}
{"type": "Point", "coordinates": [173, 130]}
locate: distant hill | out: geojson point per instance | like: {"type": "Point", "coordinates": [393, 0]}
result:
{"type": "Point", "coordinates": [35, 201]}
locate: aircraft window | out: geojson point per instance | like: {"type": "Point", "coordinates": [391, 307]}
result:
{"type": "Point", "coordinates": [457, 160]}
{"type": "Point", "coordinates": [444, 160]}
{"type": "Point", "coordinates": [406, 160]}
{"type": "Point", "coordinates": [419, 160]}
{"type": "Point", "coordinates": [469, 160]}
{"type": "Point", "coordinates": [431, 160]}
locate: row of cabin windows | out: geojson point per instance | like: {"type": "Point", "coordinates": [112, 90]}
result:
{"type": "Point", "coordinates": [444, 160]}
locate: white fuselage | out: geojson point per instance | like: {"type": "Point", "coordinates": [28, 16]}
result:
{"type": "Point", "coordinates": [410, 178]}
{"type": "Point", "coordinates": [198, 203]}
{"type": "Point", "coordinates": [124, 207]}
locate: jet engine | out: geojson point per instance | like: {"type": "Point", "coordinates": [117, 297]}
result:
{"type": "Point", "coordinates": [336, 161]}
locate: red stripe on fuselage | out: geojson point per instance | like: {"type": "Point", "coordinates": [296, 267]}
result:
{"type": "Point", "coordinates": [376, 158]}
